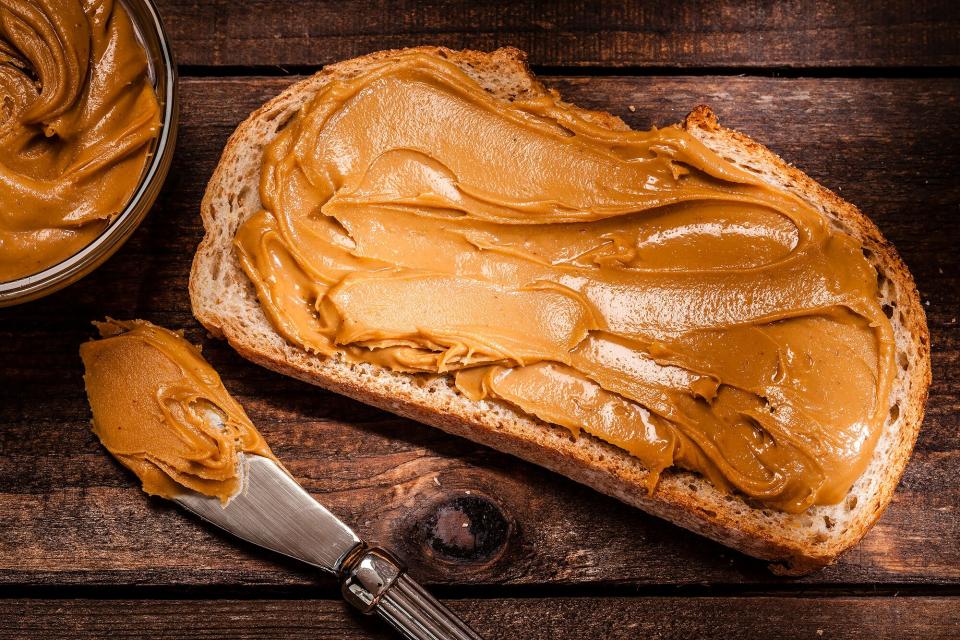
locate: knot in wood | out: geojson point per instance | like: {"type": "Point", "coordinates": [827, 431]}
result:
{"type": "Point", "coordinates": [465, 528]}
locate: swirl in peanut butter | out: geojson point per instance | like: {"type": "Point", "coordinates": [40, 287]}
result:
{"type": "Point", "coordinates": [163, 412]}
{"type": "Point", "coordinates": [77, 115]}
{"type": "Point", "coordinates": [631, 285]}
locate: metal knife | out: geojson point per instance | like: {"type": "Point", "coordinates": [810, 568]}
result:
{"type": "Point", "coordinates": [275, 512]}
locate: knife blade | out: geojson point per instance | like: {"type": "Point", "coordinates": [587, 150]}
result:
{"type": "Point", "coordinates": [273, 511]}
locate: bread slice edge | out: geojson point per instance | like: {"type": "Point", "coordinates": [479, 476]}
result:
{"type": "Point", "coordinates": [225, 303]}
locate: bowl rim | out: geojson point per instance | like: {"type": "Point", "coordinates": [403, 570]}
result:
{"type": "Point", "coordinates": [67, 271]}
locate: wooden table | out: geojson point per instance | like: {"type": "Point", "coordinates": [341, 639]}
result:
{"type": "Point", "coordinates": [864, 99]}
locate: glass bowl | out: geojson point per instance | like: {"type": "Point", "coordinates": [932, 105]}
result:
{"type": "Point", "coordinates": [163, 73]}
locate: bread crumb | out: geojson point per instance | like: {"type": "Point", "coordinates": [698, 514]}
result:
{"type": "Point", "coordinates": [633, 110]}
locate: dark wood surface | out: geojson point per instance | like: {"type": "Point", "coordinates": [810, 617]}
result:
{"type": "Point", "coordinates": [658, 33]}
{"type": "Point", "coordinates": [542, 556]}
{"type": "Point", "coordinates": [879, 618]}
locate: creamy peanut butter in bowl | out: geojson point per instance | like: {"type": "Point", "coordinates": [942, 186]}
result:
{"type": "Point", "coordinates": [88, 120]}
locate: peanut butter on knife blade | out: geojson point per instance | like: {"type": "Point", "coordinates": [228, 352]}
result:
{"type": "Point", "coordinates": [163, 412]}
{"type": "Point", "coordinates": [631, 285]}
{"type": "Point", "coordinates": [77, 115]}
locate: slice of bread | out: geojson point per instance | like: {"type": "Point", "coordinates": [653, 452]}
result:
{"type": "Point", "coordinates": [224, 301]}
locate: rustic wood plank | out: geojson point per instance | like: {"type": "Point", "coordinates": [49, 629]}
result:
{"type": "Point", "coordinates": [263, 33]}
{"type": "Point", "coordinates": [882, 618]}
{"type": "Point", "coordinates": [69, 515]}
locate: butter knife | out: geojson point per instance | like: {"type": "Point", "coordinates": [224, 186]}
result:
{"type": "Point", "coordinates": [275, 512]}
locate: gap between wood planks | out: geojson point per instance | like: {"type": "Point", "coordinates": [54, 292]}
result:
{"type": "Point", "coordinates": [326, 589]}
{"type": "Point", "coordinates": [223, 71]}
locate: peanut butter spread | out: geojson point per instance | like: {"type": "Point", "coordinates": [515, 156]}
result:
{"type": "Point", "coordinates": [632, 285]}
{"type": "Point", "coordinates": [163, 412]}
{"type": "Point", "coordinates": [77, 114]}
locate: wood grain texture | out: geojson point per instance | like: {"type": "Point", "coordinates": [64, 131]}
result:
{"type": "Point", "coordinates": [70, 516]}
{"type": "Point", "coordinates": [884, 618]}
{"type": "Point", "coordinates": [661, 33]}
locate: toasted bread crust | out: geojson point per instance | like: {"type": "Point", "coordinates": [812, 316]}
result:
{"type": "Point", "coordinates": [225, 303]}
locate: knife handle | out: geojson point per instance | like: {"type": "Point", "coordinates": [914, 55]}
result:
{"type": "Point", "coordinates": [374, 581]}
